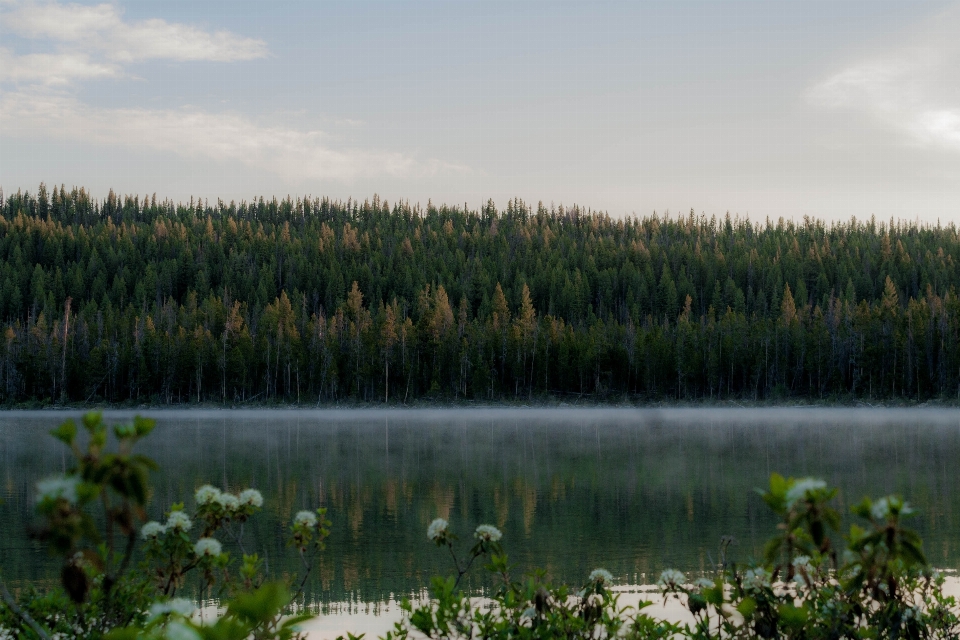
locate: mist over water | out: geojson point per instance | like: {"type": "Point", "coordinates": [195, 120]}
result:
{"type": "Point", "coordinates": [634, 491]}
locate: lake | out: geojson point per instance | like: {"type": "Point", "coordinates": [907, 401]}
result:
{"type": "Point", "coordinates": [634, 491]}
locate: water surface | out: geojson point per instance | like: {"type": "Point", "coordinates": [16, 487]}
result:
{"type": "Point", "coordinates": [634, 491]}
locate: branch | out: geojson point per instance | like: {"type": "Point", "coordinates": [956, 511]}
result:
{"type": "Point", "coordinates": [238, 538]}
{"type": "Point", "coordinates": [8, 599]}
{"type": "Point", "coordinates": [306, 574]}
{"type": "Point", "coordinates": [463, 572]}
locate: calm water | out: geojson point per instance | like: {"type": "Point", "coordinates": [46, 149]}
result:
{"type": "Point", "coordinates": [633, 491]}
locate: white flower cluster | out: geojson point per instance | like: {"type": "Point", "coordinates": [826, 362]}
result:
{"type": "Point", "coordinates": [208, 547]}
{"type": "Point", "coordinates": [756, 578]}
{"type": "Point", "coordinates": [880, 509]}
{"type": "Point", "coordinates": [251, 498]}
{"type": "Point", "coordinates": [57, 487]}
{"type": "Point", "coordinates": [437, 528]}
{"type": "Point", "coordinates": [228, 501]}
{"type": "Point", "coordinates": [152, 530]}
{"type": "Point", "coordinates": [487, 533]}
{"type": "Point", "coordinates": [180, 606]}
{"type": "Point", "coordinates": [178, 521]}
{"type": "Point", "coordinates": [704, 583]}
{"type": "Point", "coordinates": [883, 507]}
{"type": "Point", "coordinates": [207, 494]}
{"type": "Point", "coordinates": [800, 488]}
{"type": "Point", "coordinates": [7, 634]}
{"type": "Point", "coordinates": [671, 578]}
{"type": "Point", "coordinates": [601, 575]}
{"type": "Point", "coordinates": [305, 518]}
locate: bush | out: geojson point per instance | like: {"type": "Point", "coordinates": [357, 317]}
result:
{"type": "Point", "coordinates": [876, 584]}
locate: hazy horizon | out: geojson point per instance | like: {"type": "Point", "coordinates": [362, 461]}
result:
{"type": "Point", "coordinates": [758, 109]}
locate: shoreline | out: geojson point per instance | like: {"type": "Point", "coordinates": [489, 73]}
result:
{"type": "Point", "coordinates": [546, 403]}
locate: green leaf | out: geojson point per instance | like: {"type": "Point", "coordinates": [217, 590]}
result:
{"type": "Point", "coordinates": [793, 616]}
{"type": "Point", "coordinates": [66, 432]}
{"type": "Point", "coordinates": [260, 605]}
{"type": "Point", "coordinates": [143, 426]}
{"type": "Point", "coordinates": [862, 509]}
{"type": "Point", "coordinates": [746, 607]}
{"type": "Point", "coordinates": [696, 603]}
{"type": "Point", "coordinates": [93, 421]}
{"type": "Point", "coordinates": [714, 595]}
{"type": "Point", "coordinates": [778, 485]}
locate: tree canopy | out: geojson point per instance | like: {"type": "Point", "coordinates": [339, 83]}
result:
{"type": "Point", "coordinates": [310, 299]}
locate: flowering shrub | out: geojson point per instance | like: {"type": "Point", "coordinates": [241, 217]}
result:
{"type": "Point", "coordinates": [102, 596]}
{"type": "Point", "coordinates": [878, 585]}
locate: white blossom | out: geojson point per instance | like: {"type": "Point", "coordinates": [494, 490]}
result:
{"type": "Point", "coordinates": [7, 634]}
{"type": "Point", "coordinates": [801, 561]}
{"type": "Point", "coordinates": [251, 498]}
{"type": "Point", "coordinates": [600, 575]}
{"type": "Point", "coordinates": [178, 521]}
{"type": "Point", "coordinates": [208, 547]}
{"type": "Point", "coordinates": [704, 583]}
{"type": "Point", "coordinates": [488, 533]}
{"type": "Point", "coordinates": [228, 501]}
{"type": "Point", "coordinates": [437, 528]}
{"type": "Point", "coordinates": [756, 578]}
{"type": "Point", "coordinates": [179, 631]}
{"type": "Point", "coordinates": [880, 509]}
{"type": "Point", "coordinates": [800, 488]}
{"type": "Point", "coordinates": [57, 487]}
{"type": "Point", "coordinates": [306, 518]}
{"type": "Point", "coordinates": [180, 606]}
{"type": "Point", "coordinates": [206, 494]}
{"type": "Point", "coordinates": [152, 530]}
{"type": "Point", "coordinates": [671, 578]}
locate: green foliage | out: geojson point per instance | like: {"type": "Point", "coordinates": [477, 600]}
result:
{"type": "Point", "coordinates": [92, 516]}
{"type": "Point", "coordinates": [882, 587]}
{"type": "Point", "coordinates": [307, 300]}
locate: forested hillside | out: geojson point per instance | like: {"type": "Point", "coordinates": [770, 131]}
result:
{"type": "Point", "coordinates": [307, 300]}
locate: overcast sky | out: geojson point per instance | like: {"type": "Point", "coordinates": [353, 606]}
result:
{"type": "Point", "coordinates": [764, 108]}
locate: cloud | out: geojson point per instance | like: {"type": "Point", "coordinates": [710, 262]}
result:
{"type": "Point", "coordinates": [38, 97]}
{"type": "Point", "coordinates": [911, 90]}
{"type": "Point", "coordinates": [196, 134]}
{"type": "Point", "coordinates": [52, 68]}
{"type": "Point", "coordinates": [102, 31]}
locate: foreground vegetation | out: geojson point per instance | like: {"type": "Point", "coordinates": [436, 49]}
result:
{"type": "Point", "coordinates": [307, 300]}
{"type": "Point", "coordinates": [125, 578]}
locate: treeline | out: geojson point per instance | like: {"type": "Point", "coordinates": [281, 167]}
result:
{"type": "Point", "coordinates": [313, 300]}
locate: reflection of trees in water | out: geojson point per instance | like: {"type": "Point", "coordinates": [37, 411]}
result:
{"type": "Point", "coordinates": [633, 492]}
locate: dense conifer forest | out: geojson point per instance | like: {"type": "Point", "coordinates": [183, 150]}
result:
{"type": "Point", "coordinates": [309, 300]}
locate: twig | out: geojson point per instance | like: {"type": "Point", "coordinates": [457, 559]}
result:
{"type": "Point", "coordinates": [8, 599]}
{"type": "Point", "coordinates": [238, 538]}
{"type": "Point", "coordinates": [306, 574]}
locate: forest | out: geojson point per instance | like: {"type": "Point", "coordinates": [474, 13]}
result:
{"type": "Point", "coordinates": [305, 300]}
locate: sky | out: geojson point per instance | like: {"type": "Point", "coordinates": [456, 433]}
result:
{"type": "Point", "coordinates": [766, 108]}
